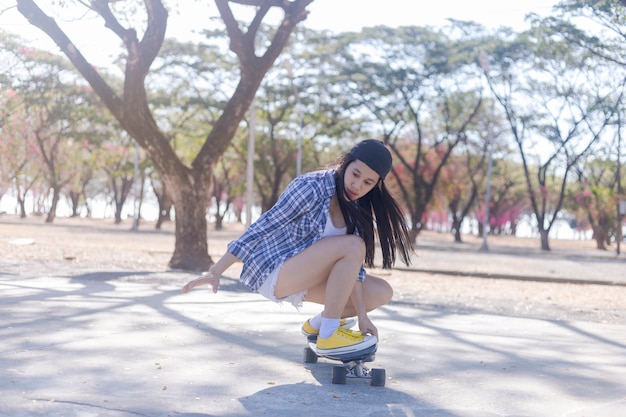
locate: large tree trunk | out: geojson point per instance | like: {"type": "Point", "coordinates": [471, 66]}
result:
{"type": "Point", "coordinates": [20, 199]}
{"type": "Point", "coordinates": [600, 241]}
{"type": "Point", "coordinates": [74, 200]}
{"type": "Point", "coordinates": [456, 227]}
{"type": "Point", "coordinates": [22, 205]}
{"type": "Point", "coordinates": [545, 242]}
{"type": "Point", "coordinates": [190, 202]}
{"type": "Point", "coordinates": [165, 210]}
{"type": "Point", "coordinates": [600, 235]}
{"type": "Point", "coordinates": [55, 202]}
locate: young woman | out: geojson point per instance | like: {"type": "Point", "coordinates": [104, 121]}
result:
{"type": "Point", "coordinates": [313, 245]}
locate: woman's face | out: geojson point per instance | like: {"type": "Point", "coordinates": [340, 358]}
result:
{"type": "Point", "coordinates": [359, 179]}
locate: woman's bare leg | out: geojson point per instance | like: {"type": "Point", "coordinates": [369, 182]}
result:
{"type": "Point", "coordinates": [376, 292]}
{"type": "Point", "coordinates": [333, 263]}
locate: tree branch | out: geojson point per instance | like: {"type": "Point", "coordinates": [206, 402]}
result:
{"type": "Point", "coordinates": [155, 32]}
{"type": "Point", "coordinates": [128, 36]}
{"type": "Point", "coordinates": [253, 68]}
{"type": "Point", "coordinates": [38, 18]}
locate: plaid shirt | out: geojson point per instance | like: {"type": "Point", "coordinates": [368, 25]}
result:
{"type": "Point", "coordinates": [294, 223]}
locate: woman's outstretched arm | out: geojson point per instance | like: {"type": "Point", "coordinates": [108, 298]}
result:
{"type": "Point", "coordinates": [212, 276]}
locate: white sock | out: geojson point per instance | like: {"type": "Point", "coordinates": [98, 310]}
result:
{"type": "Point", "coordinates": [328, 327]}
{"type": "Point", "coordinates": [316, 321]}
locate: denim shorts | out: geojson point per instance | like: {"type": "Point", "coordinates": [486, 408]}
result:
{"type": "Point", "coordinates": [267, 291]}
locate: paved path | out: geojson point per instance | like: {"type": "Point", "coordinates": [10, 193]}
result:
{"type": "Point", "coordinates": [118, 343]}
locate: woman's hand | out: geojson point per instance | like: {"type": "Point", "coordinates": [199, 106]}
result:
{"type": "Point", "coordinates": [367, 327]}
{"type": "Point", "coordinates": [212, 276]}
{"type": "Point", "coordinates": [209, 277]}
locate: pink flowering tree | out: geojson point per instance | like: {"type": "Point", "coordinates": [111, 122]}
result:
{"type": "Point", "coordinates": [509, 198]}
{"type": "Point", "coordinates": [593, 199]}
{"type": "Point", "coordinates": [58, 109]}
{"type": "Point", "coordinates": [20, 168]}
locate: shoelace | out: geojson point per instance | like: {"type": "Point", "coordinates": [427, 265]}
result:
{"type": "Point", "coordinates": [349, 334]}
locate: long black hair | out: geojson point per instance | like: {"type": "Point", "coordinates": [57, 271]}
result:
{"type": "Point", "coordinates": [376, 213]}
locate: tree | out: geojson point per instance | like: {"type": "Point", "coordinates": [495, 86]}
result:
{"type": "Point", "coordinates": [117, 162]}
{"type": "Point", "coordinates": [414, 86]}
{"type": "Point", "coordinates": [164, 200]}
{"type": "Point", "coordinates": [19, 166]}
{"type": "Point", "coordinates": [594, 196]}
{"type": "Point", "coordinates": [606, 14]}
{"type": "Point", "coordinates": [222, 191]}
{"type": "Point", "coordinates": [609, 16]}
{"type": "Point", "coordinates": [56, 106]}
{"type": "Point", "coordinates": [188, 185]}
{"type": "Point", "coordinates": [557, 102]}
{"type": "Point", "coordinates": [509, 197]}
{"type": "Point", "coordinates": [460, 182]}
{"type": "Point", "coordinates": [92, 157]}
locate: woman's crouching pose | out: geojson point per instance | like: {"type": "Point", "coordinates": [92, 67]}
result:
{"type": "Point", "coordinates": [314, 243]}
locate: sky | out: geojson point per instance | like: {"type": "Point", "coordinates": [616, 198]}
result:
{"type": "Point", "coordinates": [334, 15]}
{"type": "Point", "coordinates": [352, 15]}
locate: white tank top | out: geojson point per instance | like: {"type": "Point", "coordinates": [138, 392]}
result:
{"type": "Point", "coordinates": [331, 230]}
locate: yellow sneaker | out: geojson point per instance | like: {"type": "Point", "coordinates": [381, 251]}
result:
{"type": "Point", "coordinates": [343, 341]}
{"type": "Point", "coordinates": [310, 331]}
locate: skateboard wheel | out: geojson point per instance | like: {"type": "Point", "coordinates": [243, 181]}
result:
{"type": "Point", "coordinates": [309, 355]}
{"type": "Point", "coordinates": [339, 375]}
{"type": "Point", "coordinates": [379, 376]}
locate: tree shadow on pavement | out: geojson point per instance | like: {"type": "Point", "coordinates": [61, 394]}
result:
{"type": "Point", "coordinates": [104, 335]}
{"type": "Point", "coordinates": [352, 399]}
{"type": "Point", "coordinates": [508, 357]}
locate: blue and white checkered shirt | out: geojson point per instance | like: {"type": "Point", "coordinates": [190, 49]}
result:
{"type": "Point", "coordinates": [294, 223]}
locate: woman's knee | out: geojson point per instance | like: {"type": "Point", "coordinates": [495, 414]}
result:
{"type": "Point", "coordinates": [352, 246]}
{"type": "Point", "coordinates": [385, 292]}
{"type": "Point", "coordinates": [378, 292]}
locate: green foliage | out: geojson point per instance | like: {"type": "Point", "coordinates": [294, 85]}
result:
{"type": "Point", "coordinates": [422, 90]}
{"type": "Point", "coordinates": [55, 129]}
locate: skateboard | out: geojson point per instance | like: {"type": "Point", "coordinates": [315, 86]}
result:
{"type": "Point", "coordinates": [353, 364]}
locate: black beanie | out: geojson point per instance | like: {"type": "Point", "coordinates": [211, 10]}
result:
{"type": "Point", "coordinates": [375, 154]}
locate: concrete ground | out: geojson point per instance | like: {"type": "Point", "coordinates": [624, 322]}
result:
{"type": "Point", "coordinates": [83, 340]}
